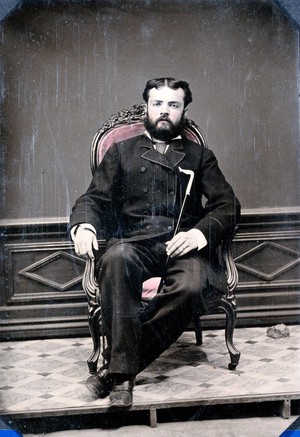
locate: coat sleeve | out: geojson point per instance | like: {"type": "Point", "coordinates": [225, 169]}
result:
{"type": "Point", "coordinates": [95, 205]}
{"type": "Point", "coordinates": [222, 208]}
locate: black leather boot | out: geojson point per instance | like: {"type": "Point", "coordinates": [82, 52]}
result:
{"type": "Point", "coordinates": [121, 393]}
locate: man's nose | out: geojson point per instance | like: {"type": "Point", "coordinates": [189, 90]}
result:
{"type": "Point", "coordinates": [164, 112]}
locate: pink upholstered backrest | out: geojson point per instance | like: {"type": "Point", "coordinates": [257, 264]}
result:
{"type": "Point", "coordinates": [117, 134]}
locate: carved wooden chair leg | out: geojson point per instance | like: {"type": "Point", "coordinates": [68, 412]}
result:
{"type": "Point", "coordinates": [94, 326]}
{"type": "Point", "coordinates": [230, 310]}
{"type": "Point", "coordinates": [198, 329]}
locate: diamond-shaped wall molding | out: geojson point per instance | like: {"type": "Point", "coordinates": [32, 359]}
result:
{"type": "Point", "coordinates": [264, 249]}
{"type": "Point", "coordinates": [32, 270]}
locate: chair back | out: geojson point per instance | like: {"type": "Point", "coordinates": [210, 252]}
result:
{"type": "Point", "coordinates": [129, 123]}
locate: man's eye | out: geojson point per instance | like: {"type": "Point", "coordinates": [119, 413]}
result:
{"type": "Point", "coordinates": [175, 105]}
{"type": "Point", "coordinates": [156, 104]}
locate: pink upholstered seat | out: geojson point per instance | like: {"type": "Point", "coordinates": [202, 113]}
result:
{"type": "Point", "coordinates": [150, 287]}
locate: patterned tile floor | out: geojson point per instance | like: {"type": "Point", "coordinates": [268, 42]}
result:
{"type": "Point", "coordinates": [46, 377]}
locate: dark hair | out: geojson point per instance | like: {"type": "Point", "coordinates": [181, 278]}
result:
{"type": "Point", "coordinates": [171, 83]}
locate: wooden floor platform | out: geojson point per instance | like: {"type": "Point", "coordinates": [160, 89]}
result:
{"type": "Point", "coordinates": [45, 378]}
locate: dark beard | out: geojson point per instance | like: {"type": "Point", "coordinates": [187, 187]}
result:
{"type": "Point", "coordinates": [164, 134]}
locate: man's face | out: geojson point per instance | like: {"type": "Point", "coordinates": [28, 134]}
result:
{"type": "Point", "coordinates": [165, 113]}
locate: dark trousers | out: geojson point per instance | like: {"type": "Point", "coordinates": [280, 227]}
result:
{"type": "Point", "coordinates": [136, 336]}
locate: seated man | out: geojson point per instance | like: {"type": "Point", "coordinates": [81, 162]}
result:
{"type": "Point", "coordinates": [136, 196]}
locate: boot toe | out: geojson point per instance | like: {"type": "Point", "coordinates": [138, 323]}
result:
{"type": "Point", "coordinates": [121, 394]}
{"type": "Point", "coordinates": [99, 386]}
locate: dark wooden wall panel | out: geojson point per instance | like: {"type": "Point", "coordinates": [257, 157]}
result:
{"type": "Point", "coordinates": [267, 257]}
{"type": "Point", "coordinates": [42, 294]}
{"type": "Point", "coordinates": [267, 254]}
{"type": "Point", "coordinates": [41, 287]}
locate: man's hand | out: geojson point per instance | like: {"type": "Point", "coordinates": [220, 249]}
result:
{"type": "Point", "coordinates": [85, 241]}
{"type": "Point", "coordinates": [181, 244]}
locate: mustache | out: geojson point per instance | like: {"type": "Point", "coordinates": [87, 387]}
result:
{"type": "Point", "coordinates": [164, 118]}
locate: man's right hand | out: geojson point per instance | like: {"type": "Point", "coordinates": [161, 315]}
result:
{"type": "Point", "coordinates": [84, 242]}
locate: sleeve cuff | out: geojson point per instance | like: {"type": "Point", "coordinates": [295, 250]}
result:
{"type": "Point", "coordinates": [199, 237]}
{"type": "Point", "coordinates": [87, 226]}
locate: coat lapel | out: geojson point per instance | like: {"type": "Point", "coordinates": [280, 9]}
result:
{"type": "Point", "coordinates": [171, 159]}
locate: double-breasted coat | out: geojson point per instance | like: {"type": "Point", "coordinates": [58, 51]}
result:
{"type": "Point", "coordinates": [137, 193]}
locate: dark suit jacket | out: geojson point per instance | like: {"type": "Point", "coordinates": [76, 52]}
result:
{"type": "Point", "coordinates": [136, 193]}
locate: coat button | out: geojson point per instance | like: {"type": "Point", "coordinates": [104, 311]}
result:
{"type": "Point", "coordinates": [148, 227]}
{"type": "Point", "coordinates": [143, 169]}
{"type": "Point", "coordinates": [171, 192]}
{"type": "Point", "coordinates": [145, 190]}
{"type": "Point", "coordinates": [169, 227]}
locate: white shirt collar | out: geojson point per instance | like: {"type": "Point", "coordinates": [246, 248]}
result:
{"type": "Point", "coordinates": [153, 143]}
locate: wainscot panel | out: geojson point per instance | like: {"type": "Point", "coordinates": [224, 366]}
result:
{"type": "Point", "coordinates": [266, 252]}
{"type": "Point", "coordinates": [41, 292]}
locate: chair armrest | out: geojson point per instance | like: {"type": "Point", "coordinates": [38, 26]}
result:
{"type": "Point", "coordinates": [231, 270]}
{"type": "Point", "coordinates": [89, 283]}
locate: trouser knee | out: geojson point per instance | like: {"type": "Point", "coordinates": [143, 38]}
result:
{"type": "Point", "coordinates": [117, 259]}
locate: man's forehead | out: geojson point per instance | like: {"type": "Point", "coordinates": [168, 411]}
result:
{"type": "Point", "coordinates": [166, 94]}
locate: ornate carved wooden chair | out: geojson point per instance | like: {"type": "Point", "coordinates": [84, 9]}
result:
{"type": "Point", "coordinates": [124, 125]}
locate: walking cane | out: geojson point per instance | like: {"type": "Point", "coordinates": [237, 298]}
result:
{"type": "Point", "coordinates": [187, 193]}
